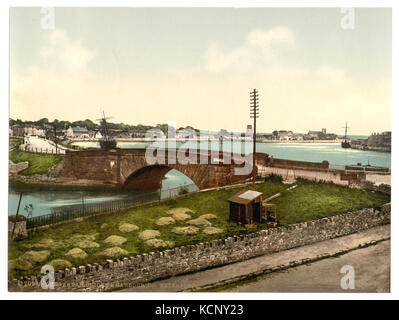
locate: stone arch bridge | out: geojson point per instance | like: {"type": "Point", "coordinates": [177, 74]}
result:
{"type": "Point", "coordinates": [129, 169]}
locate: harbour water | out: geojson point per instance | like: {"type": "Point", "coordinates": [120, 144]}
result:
{"type": "Point", "coordinates": [316, 152]}
{"type": "Point", "coordinates": [43, 201]}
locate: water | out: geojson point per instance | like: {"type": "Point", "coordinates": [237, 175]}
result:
{"type": "Point", "coordinates": [315, 152]}
{"type": "Point", "coordinates": [43, 201]}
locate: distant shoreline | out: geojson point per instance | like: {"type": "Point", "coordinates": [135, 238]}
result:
{"type": "Point", "coordinates": [213, 140]}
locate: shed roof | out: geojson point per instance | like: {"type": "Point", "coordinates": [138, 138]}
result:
{"type": "Point", "coordinates": [245, 196]}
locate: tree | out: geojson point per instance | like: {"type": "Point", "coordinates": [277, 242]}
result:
{"type": "Point", "coordinates": [42, 122]}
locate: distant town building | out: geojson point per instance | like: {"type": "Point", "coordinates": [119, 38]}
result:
{"type": "Point", "coordinates": [380, 141]}
{"type": "Point", "coordinates": [77, 133]}
{"type": "Point", "coordinates": [320, 135]}
{"type": "Point", "coordinates": [376, 142]}
{"type": "Point", "coordinates": [283, 135]}
{"type": "Point", "coordinates": [25, 130]}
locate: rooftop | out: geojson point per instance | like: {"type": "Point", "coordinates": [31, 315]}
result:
{"type": "Point", "coordinates": [245, 196]}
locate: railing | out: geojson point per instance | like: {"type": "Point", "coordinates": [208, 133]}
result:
{"type": "Point", "coordinates": [67, 213]}
{"type": "Point", "coordinates": [54, 150]}
{"type": "Point", "coordinates": [174, 192]}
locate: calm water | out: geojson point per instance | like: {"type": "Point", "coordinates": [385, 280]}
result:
{"type": "Point", "coordinates": [316, 152]}
{"type": "Point", "coordinates": [43, 201]}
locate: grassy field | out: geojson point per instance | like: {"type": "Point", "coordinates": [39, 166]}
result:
{"type": "Point", "coordinates": [15, 143]}
{"type": "Point", "coordinates": [308, 201]}
{"type": "Point", "coordinates": [39, 163]}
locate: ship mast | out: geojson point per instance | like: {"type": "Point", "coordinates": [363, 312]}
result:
{"type": "Point", "coordinates": [104, 122]}
{"type": "Point", "coordinates": [107, 141]}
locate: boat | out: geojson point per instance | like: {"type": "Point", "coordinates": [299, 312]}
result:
{"type": "Point", "coordinates": [106, 141]}
{"type": "Point", "coordinates": [345, 144]}
{"type": "Point", "coordinates": [106, 144]}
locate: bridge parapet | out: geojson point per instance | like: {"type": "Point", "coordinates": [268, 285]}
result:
{"type": "Point", "coordinates": [135, 169]}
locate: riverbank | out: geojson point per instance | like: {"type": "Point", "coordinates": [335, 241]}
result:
{"type": "Point", "coordinates": [195, 218]}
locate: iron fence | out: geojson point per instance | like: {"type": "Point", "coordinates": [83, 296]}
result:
{"type": "Point", "coordinates": [174, 192]}
{"type": "Point", "coordinates": [41, 150]}
{"type": "Point", "coordinates": [71, 212]}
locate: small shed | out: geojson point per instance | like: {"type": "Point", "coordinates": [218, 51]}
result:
{"type": "Point", "coordinates": [246, 207]}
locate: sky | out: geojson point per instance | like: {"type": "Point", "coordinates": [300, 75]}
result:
{"type": "Point", "coordinates": [196, 66]}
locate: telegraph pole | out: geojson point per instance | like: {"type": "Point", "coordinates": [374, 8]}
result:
{"type": "Point", "coordinates": [55, 137]}
{"type": "Point", "coordinates": [254, 114]}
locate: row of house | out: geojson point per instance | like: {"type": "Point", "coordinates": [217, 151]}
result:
{"type": "Point", "coordinates": [48, 132]}
{"type": "Point", "coordinates": [21, 131]}
{"type": "Point", "coordinates": [288, 135]}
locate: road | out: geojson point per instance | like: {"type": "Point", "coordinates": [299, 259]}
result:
{"type": "Point", "coordinates": [371, 266]}
{"type": "Point", "coordinates": [41, 145]}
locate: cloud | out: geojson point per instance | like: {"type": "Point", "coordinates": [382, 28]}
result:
{"type": "Point", "coordinates": [260, 47]}
{"type": "Point", "coordinates": [265, 40]}
{"type": "Point", "coordinates": [64, 53]}
{"type": "Point", "coordinates": [211, 96]}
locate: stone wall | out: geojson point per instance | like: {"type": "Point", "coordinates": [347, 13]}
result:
{"type": "Point", "coordinates": [20, 227]}
{"type": "Point", "coordinates": [14, 168]}
{"type": "Point", "coordinates": [133, 271]}
{"type": "Point", "coordinates": [309, 174]}
{"type": "Point", "coordinates": [283, 163]}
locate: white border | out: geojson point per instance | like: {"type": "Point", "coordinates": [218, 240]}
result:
{"type": "Point", "coordinates": [4, 31]}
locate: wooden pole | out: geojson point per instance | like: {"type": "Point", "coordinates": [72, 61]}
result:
{"type": "Point", "coordinates": [254, 114]}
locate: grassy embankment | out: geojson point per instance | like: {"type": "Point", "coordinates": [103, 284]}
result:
{"type": "Point", "coordinates": [308, 201]}
{"type": "Point", "coordinates": [39, 163]}
{"type": "Point", "coordinates": [15, 143]}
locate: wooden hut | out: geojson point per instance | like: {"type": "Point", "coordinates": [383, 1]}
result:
{"type": "Point", "coordinates": [246, 207]}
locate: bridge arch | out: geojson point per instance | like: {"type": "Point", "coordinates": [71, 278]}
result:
{"type": "Point", "coordinates": [149, 177]}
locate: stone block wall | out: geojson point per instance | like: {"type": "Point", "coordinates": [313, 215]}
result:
{"type": "Point", "coordinates": [317, 175]}
{"type": "Point", "coordinates": [20, 229]}
{"type": "Point", "coordinates": [140, 269]}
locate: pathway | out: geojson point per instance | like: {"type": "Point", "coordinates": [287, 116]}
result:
{"type": "Point", "coordinates": [237, 271]}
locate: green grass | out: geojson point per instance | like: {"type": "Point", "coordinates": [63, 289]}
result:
{"type": "Point", "coordinates": [308, 201]}
{"type": "Point", "coordinates": [15, 142]}
{"type": "Point", "coordinates": [39, 163]}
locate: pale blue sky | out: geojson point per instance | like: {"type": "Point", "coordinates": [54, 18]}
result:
{"type": "Point", "coordinates": [196, 66]}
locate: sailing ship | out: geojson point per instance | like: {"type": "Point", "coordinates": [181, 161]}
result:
{"type": "Point", "coordinates": [345, 143]}
{"type": "Point", "coordinates": [106, 141]}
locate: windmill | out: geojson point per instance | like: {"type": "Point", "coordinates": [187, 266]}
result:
{"type": "Point", "coordinates": [106, 141]}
